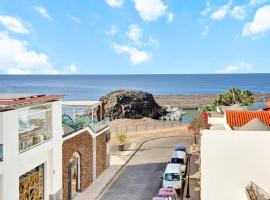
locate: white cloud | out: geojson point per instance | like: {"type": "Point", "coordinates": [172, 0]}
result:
{"type": "Point", "coordinates": [43, 12]}
{"type": "Point", "coordinates": [153, 43]}
{"type": "Point", "coordinates": [170, 17]}
{"type": "Point", "coordinates": [135, 33]}
{"type": "Point", "coordinates": [13, 24]}
{"type": "Point", "coordinates": [150, 10]}
{"type": "Point", "coordinates": [71, 69]}
{"type": "Point", "coordinates": [115, 3]}
{"type": "Point", "coordinates": [208, 9]}
{"type": "Point", "coordinates": [239, 12]}
{"type": "Point", "coordinates": [256, 2]}
{"type": "Point", "coordinates": [136, 56]}
{"type": "Point", "coordinates": [205, 30]}
{"type": "Point", "coordinates": [241, 68]}
{"type": "Point", "coordinates": [17, 58]}
{"type": "Point", "coordinates": [260, 23]}
{"type": "Point", "coordinates": [221, 12]}
{"type": "Point", "coordinates": [113, 30]}
{"type": "Point", "coordinates": [75, 19]}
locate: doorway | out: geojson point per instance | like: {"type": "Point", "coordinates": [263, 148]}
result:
{"type": "Point", "coordinates": [74, 176]}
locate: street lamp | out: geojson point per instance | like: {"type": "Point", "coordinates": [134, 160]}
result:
{"type": "Point", "coordinates": [188, 192]}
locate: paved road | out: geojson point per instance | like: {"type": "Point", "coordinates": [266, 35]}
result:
{"type": "Point", "coordinates": [140, 180]}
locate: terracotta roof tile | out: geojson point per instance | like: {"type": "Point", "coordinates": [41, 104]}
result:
{"type": "Point", "coordinates": [240, 118]}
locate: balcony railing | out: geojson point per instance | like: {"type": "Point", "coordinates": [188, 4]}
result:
{"type": "Point", "coordinates": [254, 192]}
{"type": "Point", "coordinates": [1, 152]}
{"type": "Point", "coordinates": [71, 125]}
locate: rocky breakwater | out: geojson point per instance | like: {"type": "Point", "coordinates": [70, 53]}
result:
{"type": "Point", "coordinates": [131, 104]}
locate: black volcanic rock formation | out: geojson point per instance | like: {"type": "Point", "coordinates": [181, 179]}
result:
{"type": "Point", "coordinates": [131, 104]}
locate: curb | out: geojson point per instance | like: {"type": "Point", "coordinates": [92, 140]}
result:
{"type": "Point", "coordinates": [118, 172]}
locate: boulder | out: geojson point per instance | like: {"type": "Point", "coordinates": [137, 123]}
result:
{"type": "Point", "coordinates": [131, 104]}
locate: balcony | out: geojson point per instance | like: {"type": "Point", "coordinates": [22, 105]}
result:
{"type": "Point", "coordinates": [80, 114]}
{"type": "Point", "coordinates": [71, 125]}
{"type": "Point", "coordinates": [1, 152]}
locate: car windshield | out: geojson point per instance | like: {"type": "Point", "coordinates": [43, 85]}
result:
{"type": "Point", "coordinates": [178, 160]}
{"type": "Point", "coordinates": [171, 177]}
{"type": "Point", "coordinates": [167, 197]}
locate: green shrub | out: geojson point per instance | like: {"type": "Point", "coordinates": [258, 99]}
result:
{"type": "Point", "coordinates": [121, 137]}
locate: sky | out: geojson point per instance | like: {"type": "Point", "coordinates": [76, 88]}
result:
{"type": "Point", "coordinates": [134, 36]}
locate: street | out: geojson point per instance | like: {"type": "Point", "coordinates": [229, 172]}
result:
{"type": "Point", "coordinates": [141, 178]}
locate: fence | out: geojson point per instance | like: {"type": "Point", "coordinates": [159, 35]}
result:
{"type": "Point", "coordinates": [158, 124]}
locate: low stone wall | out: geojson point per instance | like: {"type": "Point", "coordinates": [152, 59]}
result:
{"type": "Point", "coordinates": [83, 144]}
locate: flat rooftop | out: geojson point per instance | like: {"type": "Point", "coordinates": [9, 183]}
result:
{"type": "Point", "coordinates": [81, 103]}
{"type": "Point", "coordinates": [9, 101]}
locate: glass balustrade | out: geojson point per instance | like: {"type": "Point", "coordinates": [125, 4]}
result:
{"type": "Point", "coordinates": [34, 126]}
{"type": "Point", "coordinates": [79, 122]}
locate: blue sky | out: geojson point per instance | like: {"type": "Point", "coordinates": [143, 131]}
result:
{"type": "Point", "coordinates": [134, 36]}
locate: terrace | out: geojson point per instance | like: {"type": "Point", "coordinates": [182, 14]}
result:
{"type": "Point", "coordinates": [80, 114]}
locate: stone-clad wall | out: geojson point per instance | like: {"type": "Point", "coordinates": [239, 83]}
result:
{"type": "Point", "coordinates": [101, 153]}
{"type": "Point", "coordinates": [81, 143]}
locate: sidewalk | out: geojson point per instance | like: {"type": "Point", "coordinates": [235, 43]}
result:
{"type": "Point", "coordinates": [194, 178]}
{"type": "Point", "coordinates": [117, 162]}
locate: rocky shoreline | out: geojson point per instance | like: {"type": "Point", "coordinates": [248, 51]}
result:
{"type": "Point", "coordinates": [138, 104]}
{"type": "Point", "coordinates": [194, 100]}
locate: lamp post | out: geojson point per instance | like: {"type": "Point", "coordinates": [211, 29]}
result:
{"type": "Point", "coordinates": [188, 192]}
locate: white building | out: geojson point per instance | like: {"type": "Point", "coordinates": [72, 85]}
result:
{"type": "Point", "coordinates": [31, 147]}
{"type": "Point", "coordinates": [35, 157]}
{"type": "Point", "coordinates": [234, 153]}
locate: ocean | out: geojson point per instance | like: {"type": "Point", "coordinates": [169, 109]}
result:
{"type": "Point", "coordinates": [91, 87]}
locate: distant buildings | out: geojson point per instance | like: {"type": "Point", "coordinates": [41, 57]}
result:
{"type": "Point", "coordinates": [47, 154]}
{"type": "Point", "coordinates": [234, 155]}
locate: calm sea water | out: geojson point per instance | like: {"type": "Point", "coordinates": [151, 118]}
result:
{"type": "Point", "coordinates": [91, 87]}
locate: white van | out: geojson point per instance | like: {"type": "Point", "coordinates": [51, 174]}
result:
{"type": "Point", "coordinates": [172, 177]}
{"type": "Point", "coordinates": [180, 157]}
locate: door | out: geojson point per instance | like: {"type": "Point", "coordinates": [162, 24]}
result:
{"type": "Point", "coordinates": [73, 180]}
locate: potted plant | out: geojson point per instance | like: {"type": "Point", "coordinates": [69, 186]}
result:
{"type": "Point", "coordinates": [121, 137]}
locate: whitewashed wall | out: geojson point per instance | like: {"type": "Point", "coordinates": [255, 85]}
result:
{"type": "Point", "coordinates": [230, 160]}
{"type": "Point", "coordinates": [16, 164]}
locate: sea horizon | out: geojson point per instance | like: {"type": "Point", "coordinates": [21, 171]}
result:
{"type": "Point", "coordinates": [91, 87]}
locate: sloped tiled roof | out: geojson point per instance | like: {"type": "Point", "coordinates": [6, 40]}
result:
{"type": "Point", "coordinates": [239, 118]}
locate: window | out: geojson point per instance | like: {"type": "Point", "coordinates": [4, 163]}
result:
{"type": "Point", "coordinates": [34, 126]}
{"type": "Point", "coordinates": [171, 177]}
{"type": "Point", "coordinates": [178, 160]}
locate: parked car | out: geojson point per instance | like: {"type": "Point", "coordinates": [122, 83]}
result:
{"type": "Point", "coordinates": [166, 194]}
{"type": "Point", "coordinates": [172, 177]}
{"type": "Point", "coordinates": [181, 148]}
{"type": "Point", "coordinates": [180, 157]}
